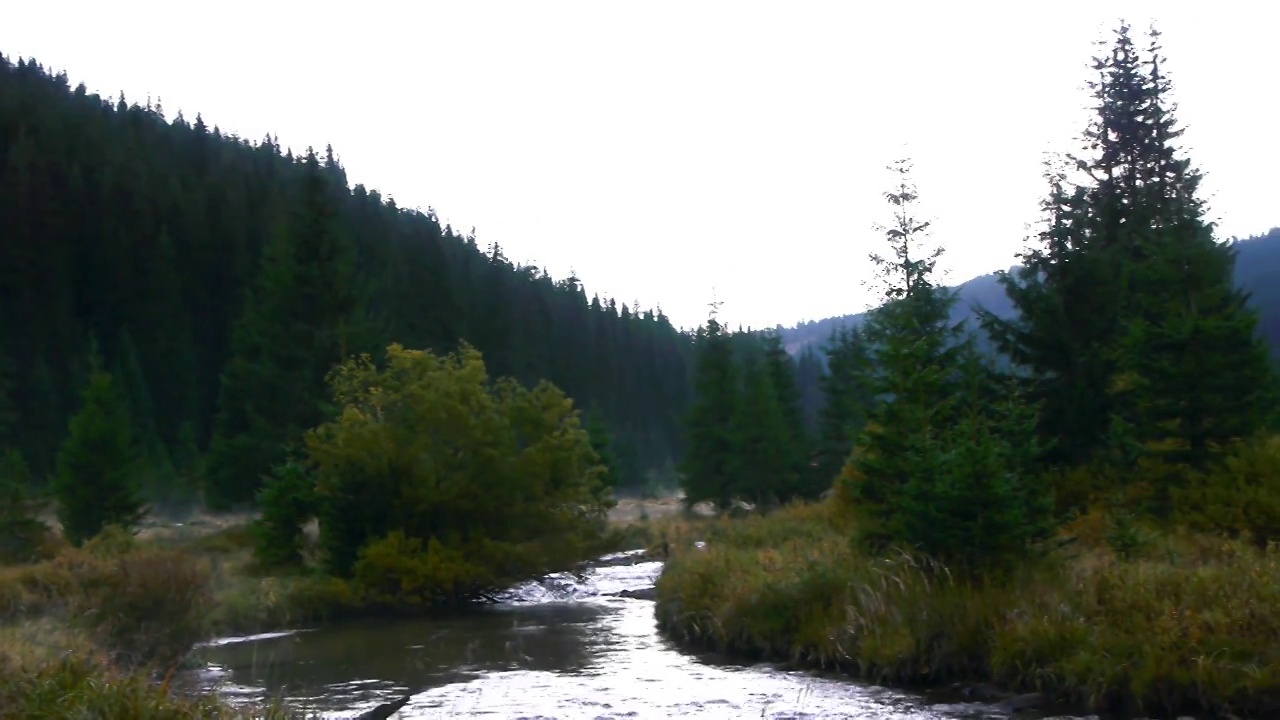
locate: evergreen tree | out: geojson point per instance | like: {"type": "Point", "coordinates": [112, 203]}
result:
{"type": "Point", "coordinates": [915, 354]}
{"type": "Point", "coordinates": [288, 501]}
{"type": "Point", "coordinates": [764, 450]}
{"type": "Point", "coordinates": [97, 466]}
{"type": "Point", "coordinates": [1127, 294]}
{"type": "Point", "coordinates": [809, 375]}
{"type": "Point", "coordinates": [1193, 375]}
{"type": "Point", "coordinates": [710, 461]}
{"type": "Point", "coordinates": [128, 373]}
{"type": "Point", "coordinates": [603, 444]}
{"type": "Point", "coordinates": [20, 529]}
{"type": "Point", "coordinates": [946, 461]}
{"type": "Point", "coordinates": [9, 438]}
{"type": "Point", "coordinates": [295, 328]}
{"type": "Point", "coordinates": [848, 396]}
{"type": "Point", "coordinates": [974, 500]}
{"type": "Point", "coordinates": [793, 442]}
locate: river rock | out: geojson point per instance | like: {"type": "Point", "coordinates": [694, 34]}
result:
{"type": "Point", "coordinates": [385, 710]}
{"type": "Point", "coordinates": [983, 692]}
{"type": "Point", "coordinates": [640, 594]}
{"type": "Point", "coordinates": [1021, 703]}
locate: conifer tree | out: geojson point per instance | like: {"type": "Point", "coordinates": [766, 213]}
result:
{"type": "Point", "coordinates": [763, 450]}
{"type": "Point", "coordinates": [8, 408]}
{"type": "Point", "coordinates": [295, 328]}
{"type": "Point", "coordinates": [1126, 294]}
{"type": "Point", "coordinates": [939, 466]}
{"type": "Point", "coordinates": [20, 529]}
{"type": "Point", "coordinates": [809, 374]}
{"type": "Point", "coordinates": [602, 443]}
{"type": "Point", "coordinates": [793, 440]}
{"type": "Point", "coordinates": [915, 355]}
{"type": "Point", "coordinates": [710, 462]}
{"type": "Point", "coordinates": [847, 399]}
{"type": "Point", "coordinates": [975, 500]}
{"type": "Point", "coordinates": [97, 466]}
{"type": "Point", "coordinates": [1194, 375]}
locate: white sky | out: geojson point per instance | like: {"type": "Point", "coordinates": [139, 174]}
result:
{"type": "Point", "coordinates": [668, 147]}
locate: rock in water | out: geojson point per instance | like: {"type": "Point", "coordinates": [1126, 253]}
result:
{"type": "Point", "coordinates": [385, 710]}
{"type": "Point", "coordinates": [1022, 703]}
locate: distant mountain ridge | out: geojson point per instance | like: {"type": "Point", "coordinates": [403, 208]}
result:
{"type": "Point", "coordinates": [1257, 271]}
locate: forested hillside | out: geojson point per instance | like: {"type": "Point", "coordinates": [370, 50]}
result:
{"type": "Point", "coordinates": [1257, 273]}
{"type": "Point", "coordinates": [219, 279]}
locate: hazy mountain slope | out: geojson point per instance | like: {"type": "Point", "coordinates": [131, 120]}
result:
{"type": "Point", "coordinates": [1257, 271]}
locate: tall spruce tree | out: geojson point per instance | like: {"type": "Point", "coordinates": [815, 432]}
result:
{"type": "Point", "coordinates": [1128, 322]}
{"type": "Point", "coordinates": [914, 350]}
{"type": "Point", "coordinates": [296, 327]}
{"type": "Point", "coordinates": [946, 462]}
{"type": "Point", "coordinates": [710, 461]}
{"type": "Point", "coordinates": [1194, 373]}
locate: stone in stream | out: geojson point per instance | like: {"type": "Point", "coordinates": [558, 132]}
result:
{"type": "Point", "coordinates": [1021, 703]}
{"type": "Point", "coordinates": [640, 594]}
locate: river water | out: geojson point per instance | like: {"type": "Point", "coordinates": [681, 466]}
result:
{"type": "Point", "coordinates": [562, 648]}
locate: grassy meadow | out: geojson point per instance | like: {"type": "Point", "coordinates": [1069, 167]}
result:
{"type": "Point", "coordinates": [1178, 623]}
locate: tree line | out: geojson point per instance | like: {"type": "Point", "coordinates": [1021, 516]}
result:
{"type": "Point", "coordinates": [216, 281]}
{"type": "Point", "coordinates": [1130, 377]}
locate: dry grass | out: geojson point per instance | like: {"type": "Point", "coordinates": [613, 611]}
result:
{"type": "Point", "coordinates": [1188, 624]}
{"type": "Point", "coordinates": [87, 632]}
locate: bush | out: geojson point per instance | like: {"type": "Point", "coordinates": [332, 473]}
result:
{"type": "Point", "coordinates": [1240, 495]}
{"type": "Point", "coordinates": [430, 448]}
{"type": "Point", "coordinates": [145, 606]}
{"type": "Point", "coordinates": [396, 572]}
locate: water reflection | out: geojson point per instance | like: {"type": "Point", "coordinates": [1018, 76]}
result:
{"type": "Point", "coordinates": [421, 653]}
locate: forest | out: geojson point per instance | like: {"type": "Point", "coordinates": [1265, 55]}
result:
{"type": "Point", "coordinates": [218, 280]}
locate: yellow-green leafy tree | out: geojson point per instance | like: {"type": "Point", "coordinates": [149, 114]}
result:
{"type": "Point", "coordinates": [436, 484]}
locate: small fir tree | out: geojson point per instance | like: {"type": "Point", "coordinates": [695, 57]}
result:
{"type": "Point", "coordinates": [96, 479]}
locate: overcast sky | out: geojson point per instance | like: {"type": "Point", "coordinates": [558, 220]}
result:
{"type": "Point", "coordinates": [668, 149]}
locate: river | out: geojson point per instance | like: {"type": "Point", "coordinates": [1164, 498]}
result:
{"type": "Point", "coordinates": [563, 648]}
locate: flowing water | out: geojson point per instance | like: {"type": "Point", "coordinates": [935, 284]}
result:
{"type": "Point", "coordinates": [563, 648]}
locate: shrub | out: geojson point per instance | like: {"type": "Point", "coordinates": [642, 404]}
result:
{"type": "Point", "coordinates": [1239, 495]}
{"type": "Point", "coordinates": [429, 447]}
{"type": "Point", "coordinates": [398, 572]}
{"type": "Point", "coordinates": [146, 606]}
{"type": "Point", "coordinates": [151, 606]}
